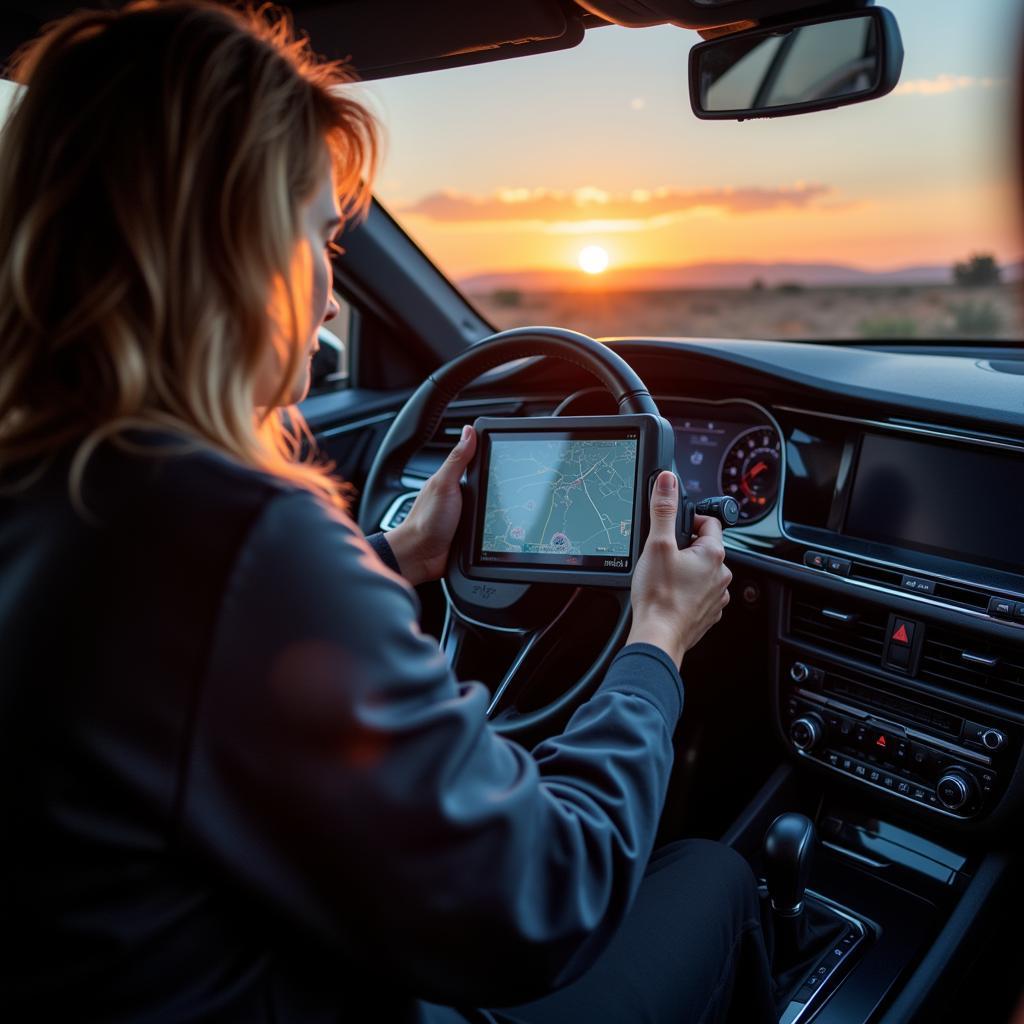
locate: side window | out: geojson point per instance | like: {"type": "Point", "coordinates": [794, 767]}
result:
{"type": "Point", "coordinates": [331, 370]}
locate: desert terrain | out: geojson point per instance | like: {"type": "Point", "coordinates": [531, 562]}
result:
{"type": "Point", "coordinates": [897, 312]}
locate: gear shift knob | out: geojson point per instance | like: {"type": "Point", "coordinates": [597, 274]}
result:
{"type": "Point", "coordinates": [788, 851]}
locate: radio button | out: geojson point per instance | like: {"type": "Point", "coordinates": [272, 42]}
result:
{"type": "Point", "coordinates": [918, 585]}
{"type": "Point", "coordinates": [903, 787]}
{"type": "Point", "coordinates": [888, 781]}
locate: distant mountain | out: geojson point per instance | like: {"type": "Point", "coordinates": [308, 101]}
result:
{"type": "Point", "coordinates": [717, 275]}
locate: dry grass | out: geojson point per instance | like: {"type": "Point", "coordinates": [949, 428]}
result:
{"type": "Point", "coordinates": [898, 313]}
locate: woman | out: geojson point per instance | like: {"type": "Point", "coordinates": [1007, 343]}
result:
{"type": "Point", "coordinates": [239, 784]}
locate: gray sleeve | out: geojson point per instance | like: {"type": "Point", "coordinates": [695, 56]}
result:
{"type": "Point", "coordinates": [379, 543]}
{"type": "Point", "coordinates": [347, 780]}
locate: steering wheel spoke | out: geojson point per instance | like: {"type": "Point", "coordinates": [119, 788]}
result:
{"type": "Point", "coordinates": [533, 673]}
{"type": "Point", "coordinates": [523, 649]}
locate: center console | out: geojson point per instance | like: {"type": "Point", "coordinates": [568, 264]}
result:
{"type": "Point", "coordinates": [855, 699]}
{"type": "Point", "coordinates": [899, 653]}
{"type": "Point", "coordinates": [894, 572]}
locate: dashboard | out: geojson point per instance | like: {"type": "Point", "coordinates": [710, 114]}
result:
{"type": "Point", "coordinates": [880, 494]}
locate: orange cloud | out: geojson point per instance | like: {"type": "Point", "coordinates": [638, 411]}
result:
{"type": "Point", "coordinates": [552, 206]}
{"type": "Point", "coordinates": [942, 84]}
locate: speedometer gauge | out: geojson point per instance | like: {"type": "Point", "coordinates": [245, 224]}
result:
{"type": "Point", "coordinates": [750, 472]}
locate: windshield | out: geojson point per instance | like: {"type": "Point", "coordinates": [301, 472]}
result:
{"type": "Point", "coordinates": [578, 189]}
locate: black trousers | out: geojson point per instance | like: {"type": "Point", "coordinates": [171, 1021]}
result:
{"type": "Point", "coordinates": [691, 951]}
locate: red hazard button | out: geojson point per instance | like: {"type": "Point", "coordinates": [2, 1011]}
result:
{"type": "Point", "coordinates": [903, 632]}
{"type": "Point", "coordinates": [901, 644]}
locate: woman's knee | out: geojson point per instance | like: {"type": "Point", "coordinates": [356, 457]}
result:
{"type": "Point", "coordinates": [717, 871]}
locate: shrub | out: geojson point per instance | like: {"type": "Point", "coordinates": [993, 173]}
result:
{"type": "Point", "coordinates": [888, 328]}
{"type": "Point", "coordinates": [508, 298]}
{"type": "Point", "coordinates": [975, 319]}
{"type": "Point", "coordinates": [980, 270]}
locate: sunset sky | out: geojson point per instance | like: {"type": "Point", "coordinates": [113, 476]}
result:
{"type": "Point", "coordinates": [522, 164]}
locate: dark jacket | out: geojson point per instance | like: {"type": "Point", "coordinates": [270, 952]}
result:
{"type": "Point", "coordinates": [238, 784]}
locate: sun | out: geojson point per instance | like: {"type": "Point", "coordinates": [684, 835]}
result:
{"type": "Point", "coordinates": [593, 259]}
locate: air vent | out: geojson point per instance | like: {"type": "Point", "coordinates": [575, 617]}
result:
{"type": "Point", "coordinates": [876, 574]}
{"type": "Point", "coordinates": [974, 666]}
{"type": "Point", "coordinates": [850, 628]}
{"type": "Point", "coordinates": [962, 595]}
{"type": "Point", "coordinates": [950, 592]}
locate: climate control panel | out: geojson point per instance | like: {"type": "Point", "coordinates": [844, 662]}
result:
{"type": "Point", "coordinates": [930, 758]}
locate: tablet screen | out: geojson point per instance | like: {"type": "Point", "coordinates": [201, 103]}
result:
{"type": "Point", "coordinates": [559, 499]}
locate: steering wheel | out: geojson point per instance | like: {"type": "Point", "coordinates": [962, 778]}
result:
{"type": "Point", "coordinates": [518, 624]}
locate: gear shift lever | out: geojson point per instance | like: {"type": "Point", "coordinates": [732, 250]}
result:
{"type": "Point", "coordinates": [788, 850]}
{"type": "Point", "coordinates": [802, 931]}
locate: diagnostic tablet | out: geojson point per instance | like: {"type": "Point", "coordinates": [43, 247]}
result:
{"type": "Point", "coordinates": [562, 499]}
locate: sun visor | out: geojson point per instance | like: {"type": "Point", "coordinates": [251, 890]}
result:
{"type": "Point", "coordinates": [697, 14]}
{"type": "Point", "coordinates": [386, 38]}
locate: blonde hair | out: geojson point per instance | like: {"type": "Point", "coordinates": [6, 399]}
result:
{"type": "Point", "coordinates": [151, 189]}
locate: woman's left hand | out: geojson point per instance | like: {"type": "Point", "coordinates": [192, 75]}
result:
{"type": "Point", "coordinates": [422, 542]}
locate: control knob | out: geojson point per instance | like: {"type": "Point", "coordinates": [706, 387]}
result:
{"type": "Point", "coordinates": [993, 739]}
{"type": "Point", "coordinates": [806, 732]}
{"type": "Point", "coordinates": [799, 672]}
{"type": "Point", "coordinates": [956, 789]}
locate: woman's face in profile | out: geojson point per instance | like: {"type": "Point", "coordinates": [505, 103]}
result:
{"type": "Point", "coordinates": [320, 220]}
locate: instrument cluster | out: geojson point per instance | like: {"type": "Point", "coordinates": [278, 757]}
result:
{"type": "Point", "coordinates": [728, 448]}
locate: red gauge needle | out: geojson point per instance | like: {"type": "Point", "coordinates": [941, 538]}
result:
{"type": "Point", "coordinates": [749, 476]}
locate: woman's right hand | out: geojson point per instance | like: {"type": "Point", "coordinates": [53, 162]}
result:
{"type": "Point", "coordinates": [677, 595]}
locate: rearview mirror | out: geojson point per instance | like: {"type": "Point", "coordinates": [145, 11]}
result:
{"type": "Point", "coordinates": [797, 67]}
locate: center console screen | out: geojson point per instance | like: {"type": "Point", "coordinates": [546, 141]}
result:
{"type": "Point", "coordinates": [953, 501]}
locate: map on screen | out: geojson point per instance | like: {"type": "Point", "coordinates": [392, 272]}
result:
{"type": "Point", "coordinates": [560, 496]}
